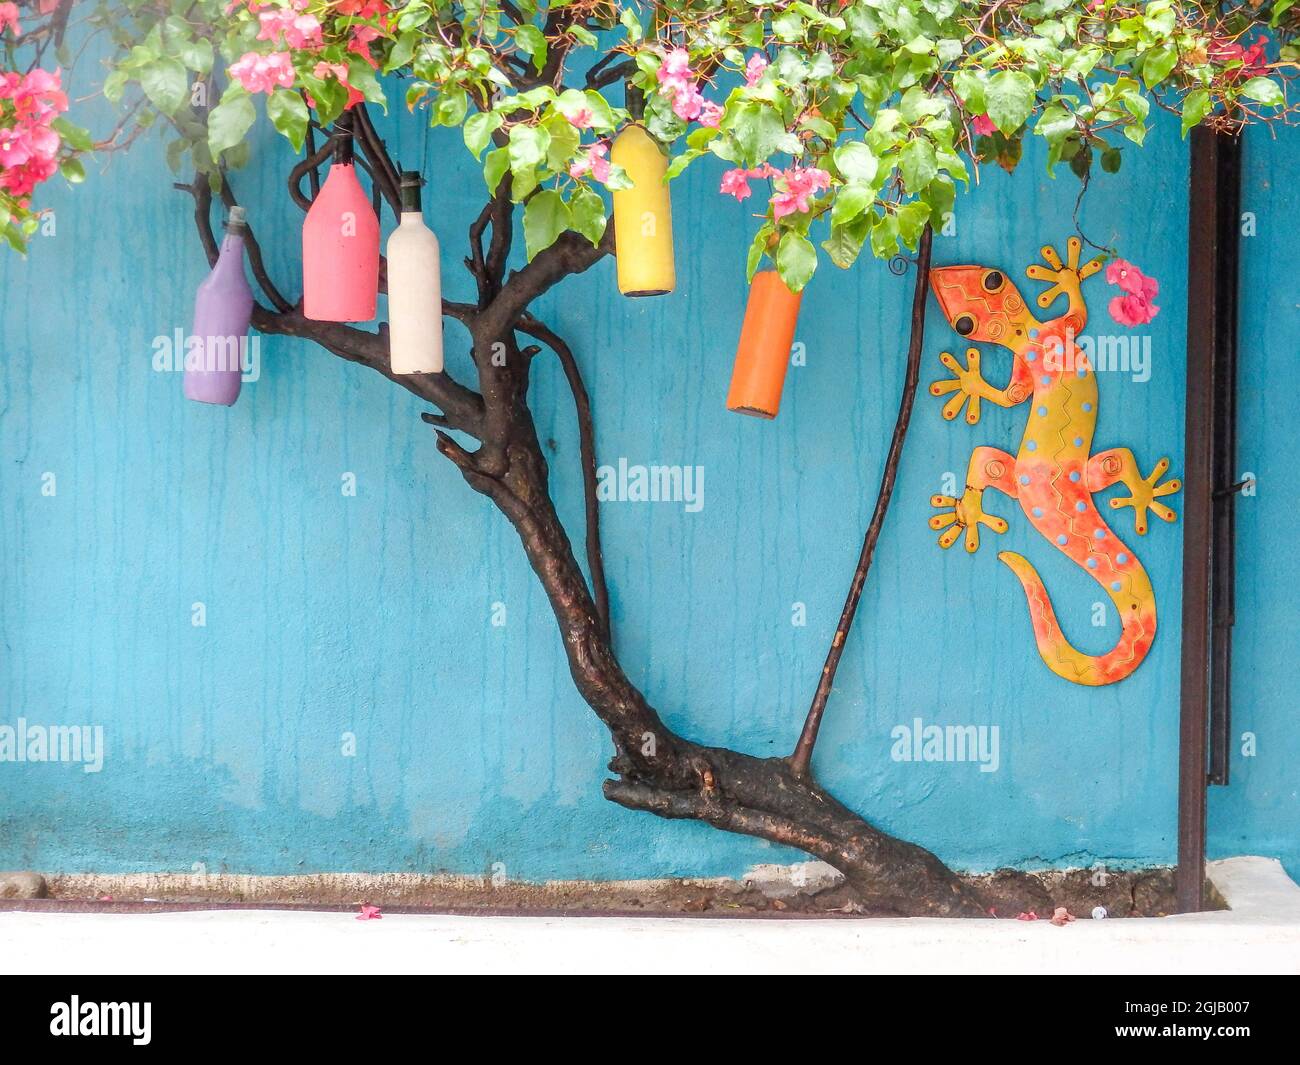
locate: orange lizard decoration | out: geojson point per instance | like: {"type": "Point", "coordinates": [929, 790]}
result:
{"type": "Point", "coordinates": [1054, 474]}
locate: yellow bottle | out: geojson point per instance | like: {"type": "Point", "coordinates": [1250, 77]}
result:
{"type": "Point", "coordinates": [643, 216]}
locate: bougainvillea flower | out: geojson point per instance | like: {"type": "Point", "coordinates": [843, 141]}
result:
{"type": "Point", "coordinates": [362, 8]}
{"type": "Point", "coordinates": [262, 73]}
{"type": "Point", "coordinates": [299, 31]}
{"type": "Point", "coordinates": [799, 183]}
{"type": "Point", "coordinates": [736, 182]}
{"type": "Point", "coordinates": [675, 71]}
{"type": "Point", "coordinates": [1135, 306]}
{"type": "Point", "coordinates": [581, 118]}
{"type": "Point", "coordinates": [1062, 916]}
{"type": "Point", "coordinates": [369, 913]}
{"type": "Point", "coordinates": [360, 42]}
{"type": "Point", "coordinates": [593, 162]}
{"type": "Point", "coordinates": [983, 126]}
{"type": "Point", "coordinates": [710, 114]}
{"type": "Point", "coordinates": [754, 68]}
{"type": "Point", "coordinates": [9, 18]}
{"type": "Point", "coordinates": [1030, 916]}
{"type": "Point", "coordinates": [1253, 59]}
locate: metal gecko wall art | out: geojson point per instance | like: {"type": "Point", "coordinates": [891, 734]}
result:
{"type": "Point", "coordinates": [1054, 474]}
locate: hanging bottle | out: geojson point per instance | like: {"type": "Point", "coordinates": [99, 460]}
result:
{"type": "Point", "coordinates": [414, 288]}
{"type": "Point", "coordinates": [643, 214]}
{"type": "Point", "coordinates": [223, 307]}
{"type": "Point", "coordinates": [340, 242]}
{"type": "Point", "coordinates": [763, 354]}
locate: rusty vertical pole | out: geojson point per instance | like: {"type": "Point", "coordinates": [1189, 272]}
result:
{"type": "Point", "coordinates": [1211, 331]}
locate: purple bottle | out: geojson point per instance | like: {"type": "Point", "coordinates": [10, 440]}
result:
{"type": "Point", "coordinates": [222, 310]}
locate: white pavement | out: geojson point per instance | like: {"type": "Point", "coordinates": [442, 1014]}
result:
{"type": "Point", "coordinates": [1260, 934]}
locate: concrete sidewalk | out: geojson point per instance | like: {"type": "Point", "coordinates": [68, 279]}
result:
{"type": "Point", "coordinates": [1260, 934]}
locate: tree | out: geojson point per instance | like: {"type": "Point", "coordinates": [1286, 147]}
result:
{"type": "Point", "coordinates": [862, 114]}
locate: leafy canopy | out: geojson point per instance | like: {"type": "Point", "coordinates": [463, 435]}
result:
{"type": "Point", "coordinates": [860, 115]}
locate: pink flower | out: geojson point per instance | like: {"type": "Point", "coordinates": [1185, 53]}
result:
{"type": "Point", "coordinates": [9, 17]}
{"type": "Point", "coordinates": [736, 183]}
{"type": "Point", "coordinates": [1030, 916]}
{"type": "Point", "coordinates": [299, 31]}
{"type": "Point", "coordinates": [799, 184]}
{"type": "Point", "coordinates": [581, 118]}
{"type": "Point", "coordinates": [262, 73]}
{"type": "Point", "coordinates": [593, 162]}
{"type": "Point", "coordinates": [754, 68]}
{"type": "Point", "coordinates": [983, 126]}
{"type": "Point", "coordinates": [710, 114]}
{"type": "Point", "coordinates": [1134, 306]}
{"type": "Point", "coordinates": [687, 102]}
{"type": "Point", "coordinates": [369, 913]}
{"type": "Point", "coordinates": [675, 71]}
{"type": "Point", "coordinates": [1061, 916]}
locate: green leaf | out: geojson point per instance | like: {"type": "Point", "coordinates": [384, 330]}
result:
{"type": "Point", "coordinates": [917, 164]}
{"type": "Point", "coordinates": [856, 163]}
{"type": "Point", "coordinates": [72, 169]}
{"type": "Point", "coordinates": [73, 136]}
{"type": "Point", "coordinates": [532, 41]}
{"type": "Point", "coordinates": [1111, 159]}
{"type": "Point", "coordinates": [850, 202]}
{"type": "Point", "coordinates": [545, 217]}
{"type": "Point", "coordinates": [494, 168]}
{"type": "Point", "coordinates": [1010, 98]}
{"type": "Point", "coordinates": [362, 78]}
{"type": "Point", "coordinates": [165, 83]}
{"type": "Point", "coordinates": [1196, 105]}
{"type": "Point", "coordinates": [451, 107]}
{"type": "Point", "coordinates": [796, 260]}
{"type": "Point", "coordinates": [230, 120]}
{"type": "Point", "coordinates": [528, 146]}
{"type": "Point", "coordinates": [1158, 63]}
{"type": "Point", "coordinates": [479, 129]}
{"type": "Point", "coordinates": [288, 113]}
{"type": "Point", "coordinates": [1264, 91]}
{"type": "Point", "coordinates": [587, 213]}
{"type": "Point", "coordinates": [115, 85]}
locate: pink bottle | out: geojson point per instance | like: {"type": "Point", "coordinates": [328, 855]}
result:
{"type": "Point", "coordinates": [340, 243]}
{"type": "Point", "coordinates": [222, 309]}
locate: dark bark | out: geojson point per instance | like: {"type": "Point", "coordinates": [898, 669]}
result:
{"type": "Point", "coordinates": [655, 769]}
{"type": "Point", "coordinates": [801, 760]}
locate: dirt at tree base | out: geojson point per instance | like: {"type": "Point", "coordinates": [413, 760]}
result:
{"type": "Point", "coordinates": [1008, 894]}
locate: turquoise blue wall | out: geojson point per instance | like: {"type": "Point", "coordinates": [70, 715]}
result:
{"type": "Point", "coordinates": [371, 614]}
{"type": "Point", "coordinates": [1260, 811]}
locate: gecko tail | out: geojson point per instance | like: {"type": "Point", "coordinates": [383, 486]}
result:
{"type": "Point", "coordinates": [1064, 660]}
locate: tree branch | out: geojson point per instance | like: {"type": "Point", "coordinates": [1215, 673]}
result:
{"type": "Point", "coordinates": [587, 449]}
{"type": "Point", "coordinates": [801, 760]}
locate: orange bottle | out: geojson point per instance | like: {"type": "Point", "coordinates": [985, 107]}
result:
{"type": "Point", "coordinates": [764, 352]}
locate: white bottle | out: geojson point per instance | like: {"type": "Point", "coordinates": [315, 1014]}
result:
{"type": "Point", "coordinates": [414, 289]}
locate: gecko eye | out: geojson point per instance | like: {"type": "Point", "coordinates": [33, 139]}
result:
{"type": "Point", "coordinates": [965, 325]}
{"type": "Point", "coordinates": [993, 281]}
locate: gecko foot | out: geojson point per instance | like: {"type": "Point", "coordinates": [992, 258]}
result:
{"type": "Point", "coordinates": [1145, 493]}
{"type": "Point", "coordinates": [967, 382]}
{"type": "Point", "coordinates": [1065, 277]}
{"type": "Point", "coordinates": [965, 513]}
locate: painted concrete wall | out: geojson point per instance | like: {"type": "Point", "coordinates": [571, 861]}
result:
{"type": "Point", "coordinates": [1260, 810]}
{"type": "Point", "coordinates": [372, 615]}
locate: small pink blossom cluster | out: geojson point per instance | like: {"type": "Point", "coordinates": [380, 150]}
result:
{"type": "Point", "coordinates": [29, 148]}
{"type": "Point", "coordinates": [262, 73]}
{"type": "Point", "coordinates": [983, 126]}
{"type": "Point", "coordinates": [678, 81]}
{"type": "Point", "coordinates": [795, 186]}
{"type": "Point", "coordinates": [594, 162]}
{"type": "Point", "coordinates": [301, 31]}
{"type": "Point", "coordinates": [9, 19]}
{"type": "Point", "coordinates": [1133, 306]}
